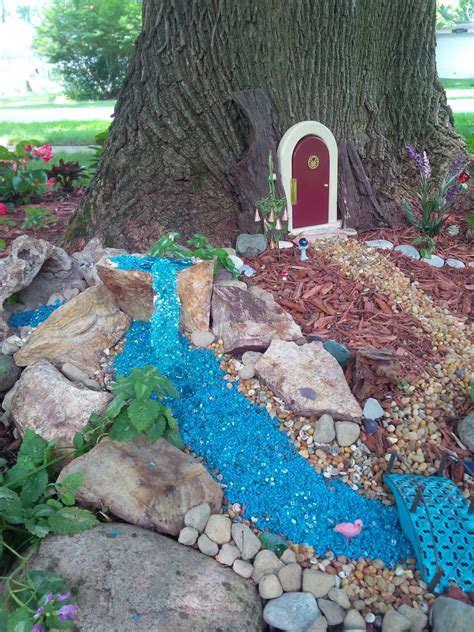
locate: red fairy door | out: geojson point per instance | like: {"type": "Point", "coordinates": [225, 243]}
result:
{"type": "Point", "coordinates": [310, 183]}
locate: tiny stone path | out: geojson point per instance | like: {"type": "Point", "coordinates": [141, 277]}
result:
{"type": "Point", "coordinates": [256, 462]}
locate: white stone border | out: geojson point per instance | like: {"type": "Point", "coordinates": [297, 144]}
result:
{"type": "Point", "coordinates": [285, 153]}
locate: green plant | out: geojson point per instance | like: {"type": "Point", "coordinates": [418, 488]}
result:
{"type": "Point", "coordinates": [199, 247]}
{"type": "Point", "coordinates": [90, 43]}
{"type": "Point", "coordinates": [272, 211]}
{"type": "Point", "coordinates": [38, 600]}
{"type": "Point", "coordinates": [37, 218]}
{"type": "Point", "coordinates": [434, 200]}
{"type": "Point", "coordinates": [426, 245]}
{"type": "Point", "coordinates": [133, 412]}
{"type": "Point", "coordinates": [21, 180]}
{"type": "Point", "coordinates": [98, 148]}
{"type": "Point", "coordinates": [66, 174]}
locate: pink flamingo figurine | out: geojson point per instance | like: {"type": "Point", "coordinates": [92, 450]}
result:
{"type": "Point", "coordinates": [349, 529]}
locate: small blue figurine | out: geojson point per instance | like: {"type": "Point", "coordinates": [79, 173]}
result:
{"type": "Point", "coordinates": [303, 246]}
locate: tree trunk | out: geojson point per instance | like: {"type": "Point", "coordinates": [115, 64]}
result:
{"type": "Point", "coordinates": [364, 68]}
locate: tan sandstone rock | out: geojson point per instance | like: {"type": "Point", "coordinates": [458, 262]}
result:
{"type": "Point", "coordinates": [76, 331]}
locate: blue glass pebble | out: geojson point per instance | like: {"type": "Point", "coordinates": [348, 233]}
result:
{"type": "Point", "coordinates": [33, 317]}
{"type": "Point", "coordinates": [260, 467]}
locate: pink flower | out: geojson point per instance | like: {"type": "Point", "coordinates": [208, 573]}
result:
{"type": "Point", "coordinates": [45, 152]}
{"type": "Point", "coordinates": [3, 209]}
{"type": "Point", "coordinates": [28, 147]}
{"type": "Point", "coordinates": [50, 182]}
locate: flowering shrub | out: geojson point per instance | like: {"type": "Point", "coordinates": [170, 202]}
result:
{"type": "Point", "coordinates": [434, 200]}
{"type": "Point", "coordinates": [21, 180]}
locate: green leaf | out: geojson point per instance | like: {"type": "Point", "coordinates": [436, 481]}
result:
{"type": "Point", "coordinates": [72, 481]}
{"type": "Point", "coordinates": [115, 407]}
{"type": "Point", "coordinates": [3, 244]}
{"type": "Point", "coordinates": [122, 429]}
{"type": "Point", "coordinates": [33, 487]}
{"type": "Point", "coordinates": [55, 504]}
{"type": "Point", "coordinates": [78, 441]}
{"type": "Point", "coordinates": [10, 504]}
{"type": "Point", "coordinates": [123, 387]}
{"type": "Point", "coordinates": [3, 462]}
{"type": "Point", "coordinates": [174, 437]}
{"type": "Point", "coordinates": [19, 621]}
{"type": "Point", "coordinates": [34, 447]}
{"type": "Point", "coordinates": [71, 520]}
{"type": "Point", "coordinates": [45, 582]}
{"type": "Point", "coordinates": [68, 498]}
{"type": "Point", "coordinates": [157, 428]}
{"type": "Point", "coordinates": [40, 529]}
{"type": "Point", "coordinates": [143, 413]}
{"type": "Point", "coordinates": [6, 154]}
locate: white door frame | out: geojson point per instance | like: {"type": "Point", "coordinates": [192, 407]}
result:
{"type": "Point", "coordinates": [285, 154]}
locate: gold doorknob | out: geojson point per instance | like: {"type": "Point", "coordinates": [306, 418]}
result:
{"type": "Point", "coordinates": [293, 191]}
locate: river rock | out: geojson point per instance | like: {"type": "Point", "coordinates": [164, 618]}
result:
{"type": "Point", "coordinates": [317, 583]}
{"type": "Point", "coordinates": [451, 614]}
{"type": "Point", "coordinates": [417, 618]}
{"type": "Point", "coordinates": [246, 322]}
{"type": "Point", "coordinates": [373, 409]}
{"type": "Point", "coordinates": [308, 379]}
{"type": "Point", "coordinates": [244, 569]}
{"type": "Point", "coordinates": [383, 244]}
{"type": "Point", "coordinates": [218, 528]}
{"type": "Point", "coordinates": [152, 485]}
{"type": "Point", "coordinates": [197, 517]}
{"type": "Point", "coordinates": [246, 540]}
{"type": "Point", "coordinates": [207, 546]}
{"type": "Point", "coordinates": [393, 621]}
{"type": "Point", "coordinates": [269, 587]}
{"type": "Point", "coordinates": [188, 536]}
{"type": "Point", "coordinates": [434, 260]}
{"type": "Point", "coordinates": [466, 431]}
{"type": "Point", "coordinates": [76, 375]}
{"type": "Point", "coordinates": [49, 404]}
{"type": "Point", "coordinates": [332, 611]}
{"type": "Point", "coordinates": [320, 625]}
{"type": "Point", "coordinates": [339, 596]}
{"type": "Point", "coordinates": [455, 263]}
{"type": "Point", "coordinates": [251, 245]}
{"type": "Point", "coordinates": [354, 621]}
{"type": "Point", "coordinates": [228, 554]}
{"type": "Point", "coordinates": [141, 580]}
{"type": "Point", "coordinates": [266, 563]}
{"type": "Point", "coordinates": [9, 372]}
{"type": "Point", "coordinates": [347, 433]}
{"type": "Point", "coordinates": [77, 331]}
{"type": "Point", "coordinates": [293, 611]}
{"type": "Point", "coordinates": [324, 430]}
{"type": "Point", "coordinates": [291, 577]}
{"type": "Point", "coordinates": [202, 338]}
{"type": "Point", "coordinates": [409, 251]}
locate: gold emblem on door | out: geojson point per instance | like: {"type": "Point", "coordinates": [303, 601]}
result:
{"type": "Point", "coordinates": [313, 162]}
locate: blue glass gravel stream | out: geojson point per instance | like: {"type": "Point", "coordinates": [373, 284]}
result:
{"type": "Point", "coordinates": [260, 467]}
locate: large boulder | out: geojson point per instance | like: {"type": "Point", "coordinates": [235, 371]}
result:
{"type": "Point", "coordinates": [149, 485]}
{"type": "Point", "coordinates": [308, 379]}
{"type": "Point", "coordinates": [33, 270]}
{"type": "Point", "coordinates": [451, 614]}
{"type": "Point", "coordinates": [244, 321]}
{"type": "Point", "coordinates": [48, 403]}
{"type": "Point", "coordinates": [76, 331]}
{"type": "Point", "coordinates": [134, 292]}
{"type": "Point", "coordinates": [124, 578]}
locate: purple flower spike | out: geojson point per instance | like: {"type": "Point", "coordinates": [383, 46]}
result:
{"type": "Point", "coordinates": [37, 628]}
{"type": "Point", "coordinates": [416, 157]}
{"type": "Point", "coordinates": [38, 613]}
{"type": "Point", "coordinates": [67, 613]}
{"type": "Point", "coordinates": [64, 597]}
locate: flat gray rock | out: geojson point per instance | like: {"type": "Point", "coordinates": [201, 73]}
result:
{"type": "Point", "coordinates": [409, 251]}
{"type": "Point", "coordinates": [125, 578]}
{"type": "Point", "coordinates": [450, 614]}
{"type": "Point", "coordinates": [151, 485]}
{"type": "Point", "coordinates": [251, 245]}
{"type": "Point", "coordinates": [373, 409]}
{"type": "Point", "coordinates": [434, 260]}
{"type": "Point", "coordinates": [455, 263]}
{"type": "Point", "coordinates": [293, 611]}
{"type": "Point", "coordinates": [383, 244]}
{"type": "Point", "coordinates": [308, 379]}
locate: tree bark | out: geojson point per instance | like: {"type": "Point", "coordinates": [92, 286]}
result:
{"type": "Point", "coordinates": [364, 68]}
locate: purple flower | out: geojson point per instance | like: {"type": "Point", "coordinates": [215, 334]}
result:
{"type": "Point", "coordinates": [37, 628]}
{"type": "Point", "coordinates": [64, 597]}
{"type": "Point", "coordinates": [67, 612]}
{"type": "Point", "coordinates": [426, 165]}
{"type": "Point", "coordinates": [48, 598]}
{"type": "Point", "coordinates": [416, 157]}
{"type": "Point", "coordinates": [38, 613]}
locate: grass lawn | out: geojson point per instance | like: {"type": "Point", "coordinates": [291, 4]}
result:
{"type": "Point", "coordinates": [464, 123]}
{"type": "Point", "coordinates": [459, 84]}
{"type": "Point", "coordinates": [53, 132]}
{"type": "Point", "coordinates": [49, 101]}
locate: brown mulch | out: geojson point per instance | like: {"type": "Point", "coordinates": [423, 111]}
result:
{"type": "Point", "coordinates": [8, 444]}
{"type": "Point", "coordinates": [59, 205]}
{"type": "Point", "coordinates": [324, 302]}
